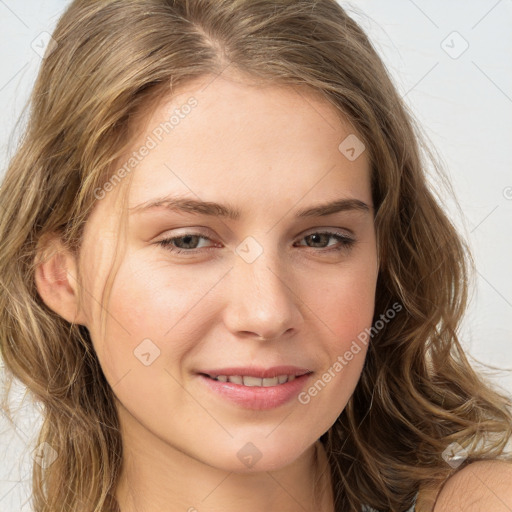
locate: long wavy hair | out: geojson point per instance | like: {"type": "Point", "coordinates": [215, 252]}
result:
{"type": "Point", "coordinates": [417, 393]}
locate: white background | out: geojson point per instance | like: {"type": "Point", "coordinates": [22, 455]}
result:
{"type": "Point", "coordinates": [463, 104]}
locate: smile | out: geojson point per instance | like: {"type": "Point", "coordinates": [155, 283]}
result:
{"type": "Point", "coordinates": [256, 388]}
{"type": "Point", "coordinates": [254, 381]}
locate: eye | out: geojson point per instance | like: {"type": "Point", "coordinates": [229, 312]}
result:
{"type": "Point", "coordinates": [189, 242]}
{"type": "Point", "coordinates": [181, 244]}
{"type": "Point", "coordinates": [319, 237]}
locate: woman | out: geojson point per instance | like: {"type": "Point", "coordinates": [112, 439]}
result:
{"type": "Point", "coordinates": [302, 354]}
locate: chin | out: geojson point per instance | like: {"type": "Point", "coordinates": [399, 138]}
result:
{"type": "Point", "coordinates": [261, 454]}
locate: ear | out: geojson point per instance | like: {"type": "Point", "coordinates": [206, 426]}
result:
{"type": "Point", "coordinates": [56, 279]}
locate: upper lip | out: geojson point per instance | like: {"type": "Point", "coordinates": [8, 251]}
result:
{"type": "Point", "coordinates": [253, 371]}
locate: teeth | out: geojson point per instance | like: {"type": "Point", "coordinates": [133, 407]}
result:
{"type": "Point", "coordinates": [255, 381]}
{"type": "Point", "coordinates": [270, 381]}
{"type": "Point", "coordinates": [252, 381]}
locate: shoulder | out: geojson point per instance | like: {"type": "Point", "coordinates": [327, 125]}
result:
{"type": "Point", "coordinates": [479, 487]}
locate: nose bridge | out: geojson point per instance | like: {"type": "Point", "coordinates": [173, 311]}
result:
{"type": "Point", "coordinates": [262, 301]}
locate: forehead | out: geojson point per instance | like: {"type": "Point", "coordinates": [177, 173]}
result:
{"type": "Point", "coordinates": [251, 144]}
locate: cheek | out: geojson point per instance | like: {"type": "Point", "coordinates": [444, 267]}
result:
{"type": "Point", "coordinates": [349, 304]}
{"type": "Point", "coordinates": [343, 300]}
{"type": "Point", "coordinates": [344, 306]}
{"type": "Point", "coordinates": [150, 300]}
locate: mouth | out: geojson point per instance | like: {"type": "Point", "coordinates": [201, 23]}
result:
{"type": "Point", "coordinates": [256, 388]}
{"type": "Point", "coordinates": [256, 376]}
{"type": "Point", "coordinates": [251, 381]}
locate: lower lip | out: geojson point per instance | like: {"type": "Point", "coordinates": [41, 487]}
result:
{"type": "Point", "coordinates": [257, 397]}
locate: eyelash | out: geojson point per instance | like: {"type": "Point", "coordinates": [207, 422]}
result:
{"type": "Point", "coordinates": [346, 242]}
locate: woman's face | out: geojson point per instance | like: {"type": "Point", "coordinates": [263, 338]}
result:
{"type": "Point", "coordinates": [247, 295]}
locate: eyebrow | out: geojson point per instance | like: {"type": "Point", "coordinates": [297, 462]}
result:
{"type": "Point", "coordinates": [195, 206]}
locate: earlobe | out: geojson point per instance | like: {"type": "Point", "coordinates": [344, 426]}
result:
{"type": "Point", "coordinates": [56, 280]}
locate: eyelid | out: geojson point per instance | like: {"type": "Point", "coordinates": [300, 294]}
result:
{"type": "Point", "coordinates": [338, 231]}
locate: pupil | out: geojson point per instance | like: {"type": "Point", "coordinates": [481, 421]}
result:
{"type": "Point", "coordinates": [316, 237]}
{"type": "Point", "coordinates": [187, 239]}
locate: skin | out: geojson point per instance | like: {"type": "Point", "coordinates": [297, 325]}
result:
{"type": "Point", "coordinates": [478, 487]}
{"type": "Point", "coordinates": [269, 151]}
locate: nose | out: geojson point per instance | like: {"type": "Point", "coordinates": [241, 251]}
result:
{"type": "Point", "coordinates": [262, 301]}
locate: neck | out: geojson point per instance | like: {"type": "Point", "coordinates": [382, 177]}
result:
{"type": "Point", "coordinates": [157, 477]}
